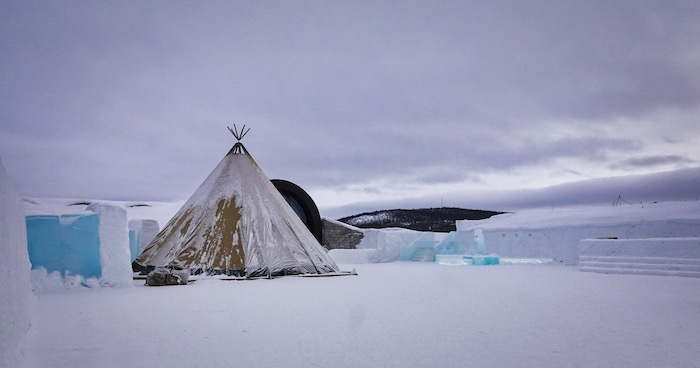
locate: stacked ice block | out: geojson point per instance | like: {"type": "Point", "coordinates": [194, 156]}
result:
{"type": "Point", "coordinates": [91, 244]}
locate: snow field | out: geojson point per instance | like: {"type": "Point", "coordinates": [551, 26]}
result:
{"type": "Point", "coordinates": [391, 315]}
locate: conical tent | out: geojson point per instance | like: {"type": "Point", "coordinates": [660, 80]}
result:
{"type": "Point", "coordinates": [237, 223]}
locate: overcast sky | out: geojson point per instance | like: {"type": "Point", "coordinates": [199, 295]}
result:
{"type": "Point", "coordinates": [363, 104]}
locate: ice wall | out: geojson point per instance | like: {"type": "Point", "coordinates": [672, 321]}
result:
{"type": "Point", "coordinates": [114, 244]}
{"type": "Point", "coordinates": [141, 232]}
{"type": "Point", "coordinates": [677, 248]}
{"type": "Point", "coordinates": [15, 288]}
{"type": "Point", "coordinates": [555, 232]}
{"type": "Point", "coordinates": [87, 248]}
{"type": "Point", "coordinates": [387, 243]}
{"type": "Point", "coordinates": [394, 244]}
{"type": "Point", "coordinates": [67, 244]}
{"type": "Point", "coordinates": [423, 248]}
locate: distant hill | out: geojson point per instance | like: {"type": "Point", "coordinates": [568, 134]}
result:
{"type": "Point", "coordinates": [422, 219]}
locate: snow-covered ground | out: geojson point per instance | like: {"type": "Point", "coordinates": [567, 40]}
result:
{"type": "Point", "coordinates": [391, 315]}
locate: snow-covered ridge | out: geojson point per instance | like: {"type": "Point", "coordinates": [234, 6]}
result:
{"type": "Point", "coordinates": [366, 219]}
{"type": "Point", "coordinates": [336, 222]}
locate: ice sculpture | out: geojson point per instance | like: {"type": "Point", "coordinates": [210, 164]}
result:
{"type": "Point", "coordinates": [479, 240]}
{"type": "Point", "coordinates": [450, 252]}
{"type": "Point", "coordinates": [421, 250]}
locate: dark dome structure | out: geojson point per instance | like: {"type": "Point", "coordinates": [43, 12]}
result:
{"type": "Point", "coordinates": [302, 204]}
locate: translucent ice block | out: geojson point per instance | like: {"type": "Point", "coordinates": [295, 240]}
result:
{"type": "Point", "coordinates": [479, 260]}
{"type": "Point", "coordinates": [66, 243]}
{"type": "Point", "coordinates": [450, 259]}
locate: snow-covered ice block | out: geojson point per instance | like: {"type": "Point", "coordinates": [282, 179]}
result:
{"type": "Point", "coordinates": [688, 247]}
{"type": "Point", "coordinates": [393, 244]}
{"type": "Point", "coordinates": [422, 248]}
{"type": "Point", "coordinates": [388, 243]}
{"type": "Point", "coordinates": [15, 289]}
{"type": "Point", "coordinates": [555, 232]}
{"type": "Point", "coordinates": [93, 244]}
{"type": "Point", "coordinates": [450, 245]}
{"type": "Point", "coordinates": [141, 232]}
{"type": "Point", "coordinates": [523, 261]}
{"type": "Point", "coordinates": [114, 244]}
{"type": "Point", "coordinates": [66, 244]}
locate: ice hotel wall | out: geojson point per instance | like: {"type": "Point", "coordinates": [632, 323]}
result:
{"type": "Point", "coordinates": [94, 244]}
{"type": "Point", "coordinates": [66, 244]}
{"type": "Point", "coordinates": [555, 232]}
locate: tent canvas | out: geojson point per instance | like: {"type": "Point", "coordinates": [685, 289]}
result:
{"type": "Point", "coordinates": [237, 223]}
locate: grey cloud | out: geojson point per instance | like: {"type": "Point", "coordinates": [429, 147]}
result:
{"type": "Point", "coordinates": [675, 185]}
{"type": "Point", "coordinates": [426, 156]}
{"type": "Point", "coordinates": [651, 161]}
{"type": "Point", "coordinates": [566, 172]}
{"type": "Point", "coordinates": [445, 175]}
{"type": "Point", "coordinates": [130, 99]}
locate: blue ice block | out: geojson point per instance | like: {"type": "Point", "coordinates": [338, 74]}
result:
{"type": "Point", "coordinates": [134, 244]}
{"type": "Point", "coordinates": [479, 260]}
{"type": "Point", "coordinates": [66, 243]}
{"type": "Point", "coordinates": [450, 245]}
{"type": "Point", "coordinates": [423, 246]}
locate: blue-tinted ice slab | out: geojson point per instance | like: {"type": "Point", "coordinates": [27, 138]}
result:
{"type": "Point", "coordinates": [527, 260]}
{"type": "Point", "coordinates": [450, 259]}
{"type": "Point", "coordinates": [460, 259]}
{"type": "Point", "coordinates": [141, 232]}
{"type": "Point", "coordinates": [133, 244]}
{"type": "Point", "coordinates": [92, 246]}
{"type": "Point", "coordinates": [481, 260]}
{"type": "Point", "coordinates": [422, 249]}
{"type": "Point", "coordinates": [69, 244]}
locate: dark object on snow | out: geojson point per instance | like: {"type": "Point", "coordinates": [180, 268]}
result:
{"type": "Point", "coordinates": [142, 270]}
{"type": "Point", "coordinates": [422, 219]}
{"type": "Point", "coordinates": [164, 276]}
{"type": "Point", "coordinates": [302, 204]}
{"type": "Point", "coordinates": [337, 235]}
